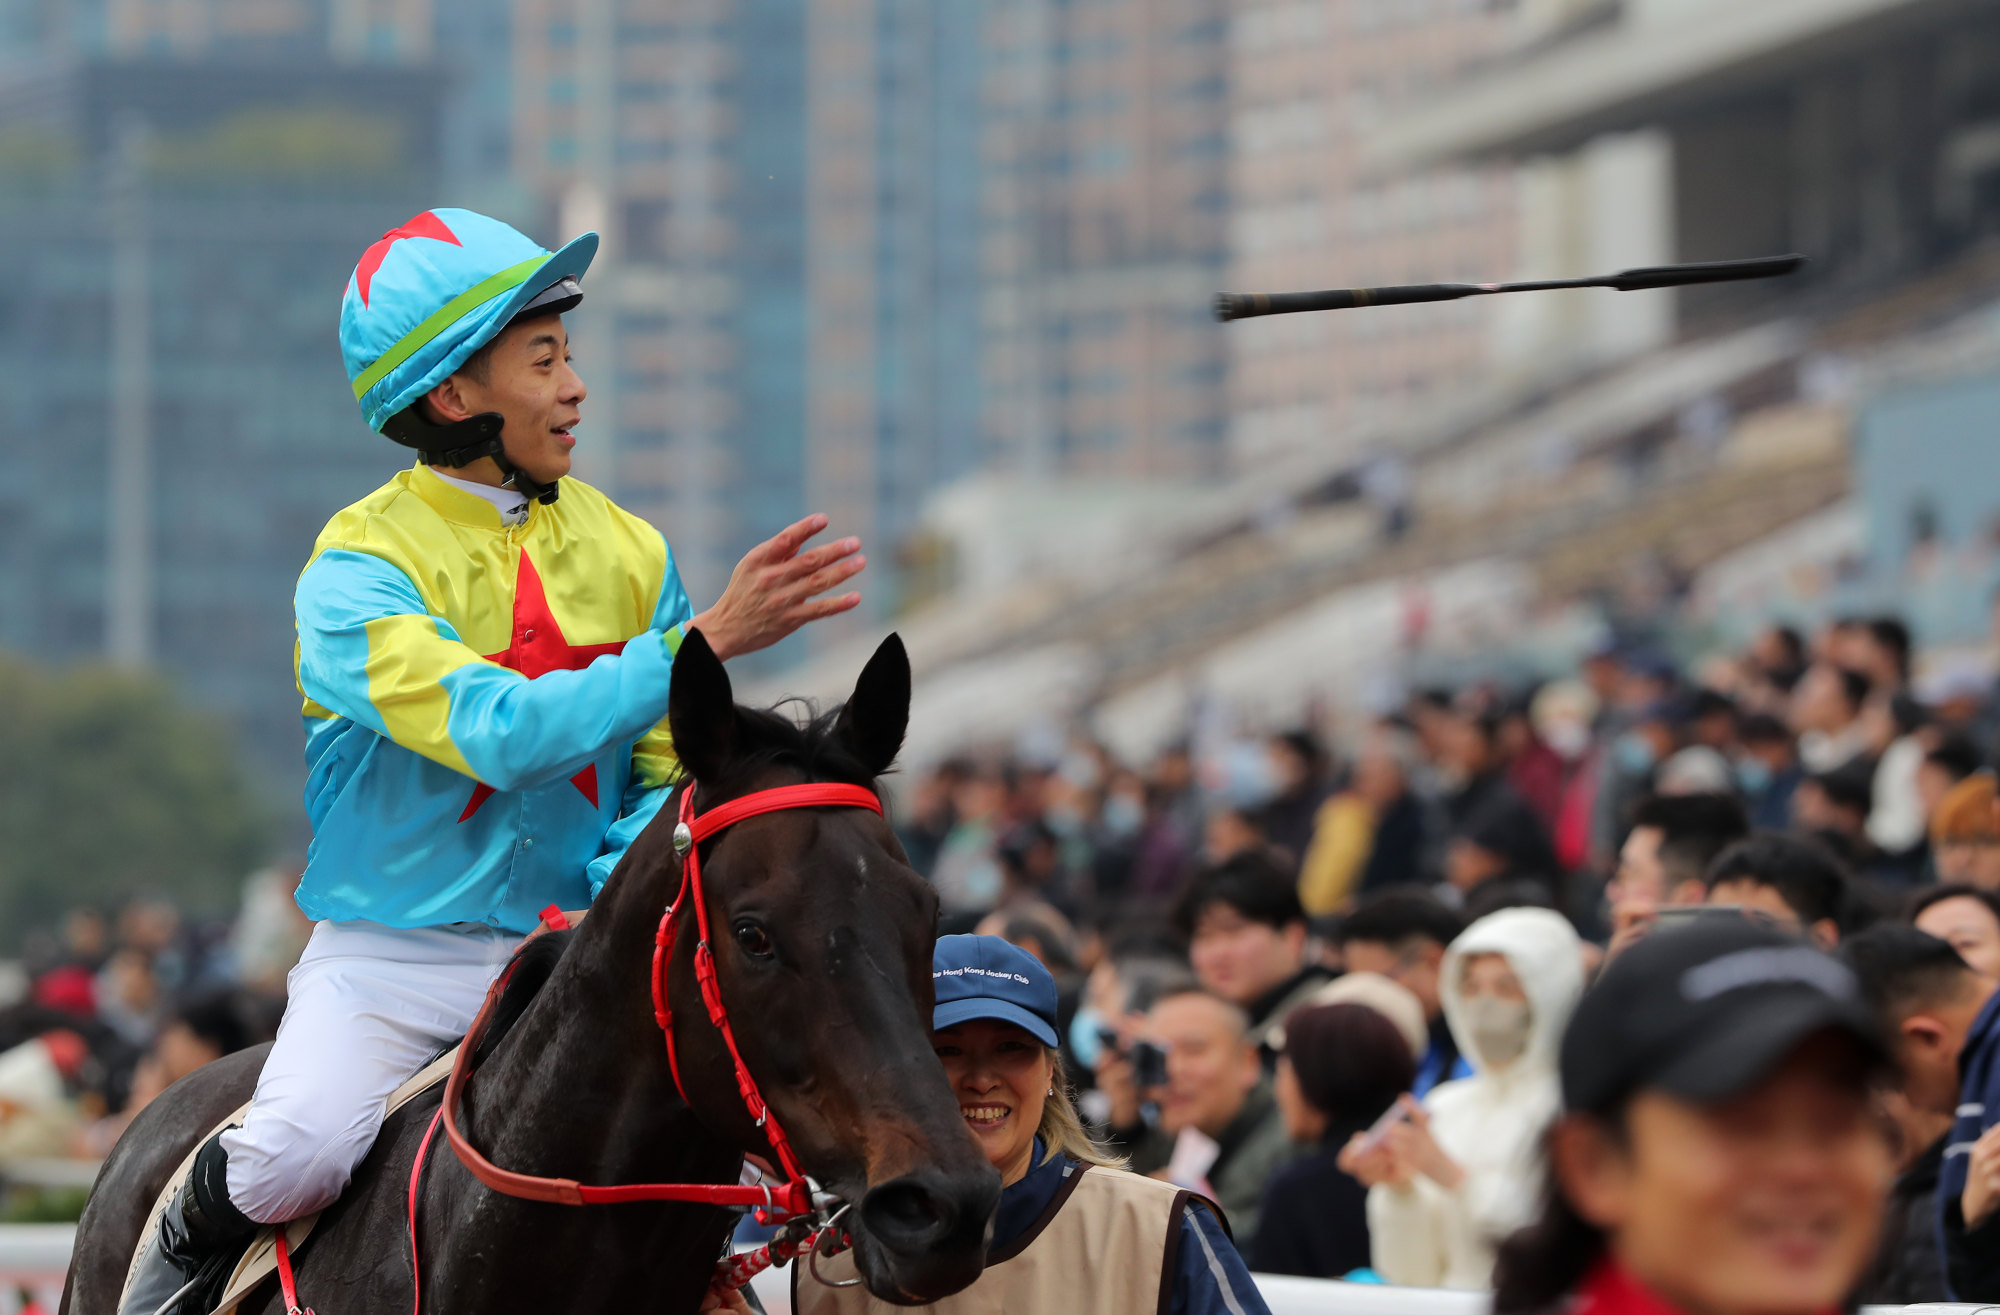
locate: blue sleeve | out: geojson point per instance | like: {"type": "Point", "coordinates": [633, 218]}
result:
{"type": "Point", "coordinates": [370, 652]}
{"type": "Point", "coordinates": [1210, 1278]}
{"type": "Point", "coordinates": [640, 807]}
{"type": "Point", "coordinates": [654, 767]}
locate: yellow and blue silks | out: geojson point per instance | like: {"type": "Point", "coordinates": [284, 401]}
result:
{"type": "Point", "coordinates": [484, 705]}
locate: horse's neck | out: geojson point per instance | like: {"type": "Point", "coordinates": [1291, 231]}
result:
{"type": "Point", "coordinates": [580, 1086]}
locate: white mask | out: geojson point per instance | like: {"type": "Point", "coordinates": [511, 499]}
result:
{"type": "Point", "coordinates": [1499, 1027]}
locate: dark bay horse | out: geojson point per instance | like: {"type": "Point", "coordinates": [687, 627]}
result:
{"type": "Point", "coordinates": [822, 934]}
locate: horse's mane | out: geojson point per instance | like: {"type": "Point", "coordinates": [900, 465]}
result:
{"type": "Point", "coordinates": [769, 739]}
{"type": "Point", "coordinates": [529, 971]}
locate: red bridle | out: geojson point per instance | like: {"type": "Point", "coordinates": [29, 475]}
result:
{"type": "Point", "coordinates": [795, 1197]}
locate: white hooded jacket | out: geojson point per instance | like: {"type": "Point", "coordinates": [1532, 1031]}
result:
{"type": "Point", "coordinates": [1491, 1124]}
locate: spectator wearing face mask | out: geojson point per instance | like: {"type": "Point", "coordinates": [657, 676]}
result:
{"type": "Point", "coordinates": [1343, 1065]}
{"type": "Point", "coordinates": [1403, 935]}
{"type": "Point", "coordinates": [1651, 735]}
{"type": "Point", "coordinates": [1925, 998]}
{"type": "Point", "coordinates": [1246, 936]}
{"type": "Point", "coordinates": [1964, 917]}
{"type": "Point", "coordinates": [1465, 1168]}
{"type": "Point", "coordinates": [1790, 880]}
{"type": "Point", "coordinates": [1768, 771]}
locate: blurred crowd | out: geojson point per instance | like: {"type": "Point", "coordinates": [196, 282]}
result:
{"type": "Point", "coordinates": [1325, 979]}
{"type": "Point", "coordinates": [122, 1002]}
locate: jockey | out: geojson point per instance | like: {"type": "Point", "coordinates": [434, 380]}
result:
{"type": "Point", "coordinates": [484, 648]}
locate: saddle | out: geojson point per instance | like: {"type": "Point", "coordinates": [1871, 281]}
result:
{"type": "Point", "coordinates": [260, 1260]}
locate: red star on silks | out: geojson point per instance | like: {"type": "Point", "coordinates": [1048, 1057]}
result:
{"type": "Point", "coordinates": [425, 224]}
{"type": "Point", "coordinates": [539, 648]}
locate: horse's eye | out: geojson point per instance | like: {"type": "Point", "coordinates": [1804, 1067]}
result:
{"type": "Point", "coordinates": [753, 940]}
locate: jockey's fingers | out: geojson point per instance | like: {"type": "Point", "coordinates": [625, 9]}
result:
{"type": "Point", "coordinates": [822, 607]}
{"type": "Point", "coordinates": [827, 577]}
{"type": "Point", "coordinates": [793, 536]}
{"type": "Point", "coordinates": [780, 546]}
{"type": "Point", "coordinates": [814, 559]}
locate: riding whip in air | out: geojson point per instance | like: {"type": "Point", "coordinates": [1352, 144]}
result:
{"type": "Point", "coordinates": [1245, 305]}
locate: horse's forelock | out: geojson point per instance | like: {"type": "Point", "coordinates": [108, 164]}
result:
{"type": "Point", "coordinates": [769, 737]}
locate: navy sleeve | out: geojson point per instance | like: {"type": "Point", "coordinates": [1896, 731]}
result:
{"type": "Point", "coordinates": [1971, 1256]}
{"type": "Point", "coordinates": [1209, 1276]}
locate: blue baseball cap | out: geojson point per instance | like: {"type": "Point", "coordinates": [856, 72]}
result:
{"type": "Point", "coordinates": [986, 977]}
{"type": "Point", "coordinates": [431, 292]}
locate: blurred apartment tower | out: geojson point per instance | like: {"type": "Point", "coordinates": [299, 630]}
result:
{"type": "Point", "coordinates": [789, 198]}
{"type": "Point", "coordinates": [174, 235]}
{"type": "Point", "coordinates": [1310, 80]}
{"type": "Point", "coordinates": [1105, 220]}
{"type": "Point", "coordinates": [1863, 133]}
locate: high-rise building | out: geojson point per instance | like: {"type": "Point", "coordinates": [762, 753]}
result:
{"type": "Point", "coordinates": [1105, 228]}
{"type": "Point", "coordinates": [789, 198]}
{"type": "Point", "coordinates": [1310, 79]}
{"type": "Point", "coordinates": [174, 237]}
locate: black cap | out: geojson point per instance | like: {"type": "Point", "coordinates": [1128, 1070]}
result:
{"type": "Point", "coordinates": [1705, 1012]}
{"type": "Point", "coordinates": [559, 298]}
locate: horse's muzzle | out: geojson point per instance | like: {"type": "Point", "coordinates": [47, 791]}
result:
{"type": "Point", "coordinates": [923, 1235]}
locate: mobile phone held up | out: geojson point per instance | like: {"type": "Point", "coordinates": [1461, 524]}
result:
{"type": "Point", "coordinates": [1379, 1130]}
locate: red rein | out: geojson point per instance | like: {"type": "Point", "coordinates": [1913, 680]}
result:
{"type": "Point", "coordinates": [795, 1197]}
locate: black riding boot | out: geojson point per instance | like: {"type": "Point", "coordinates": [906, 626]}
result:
{"type": "Point", "coordinates": [200, 1238]}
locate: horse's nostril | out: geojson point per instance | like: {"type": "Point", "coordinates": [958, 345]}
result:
{"type": "Point", "coordinates": [906, 1215]}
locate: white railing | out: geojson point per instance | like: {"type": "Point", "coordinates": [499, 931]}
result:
{"type": "Point", "coordinates": [34, 1258]}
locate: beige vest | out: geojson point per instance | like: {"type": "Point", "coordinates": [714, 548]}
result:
{"type": "Point", "coordinates": [1106, 1244]}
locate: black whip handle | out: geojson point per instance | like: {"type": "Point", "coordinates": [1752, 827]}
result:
{"type": "Point", "coordinates": [1245, 305]}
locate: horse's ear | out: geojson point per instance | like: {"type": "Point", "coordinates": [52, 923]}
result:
{"type": "Point", "coordinates": [873, 722]}
{"type": "Point", "coordinates": [701, 710]}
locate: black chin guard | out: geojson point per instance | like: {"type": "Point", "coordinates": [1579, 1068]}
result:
{"type": "Point", "coordinates": [461, 444]}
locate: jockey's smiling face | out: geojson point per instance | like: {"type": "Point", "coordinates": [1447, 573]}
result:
{"type": "Point", "coordinates": [525, 374]}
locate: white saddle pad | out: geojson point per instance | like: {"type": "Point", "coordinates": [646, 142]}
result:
{"type": "Point", "coordinates": [260, 1261]}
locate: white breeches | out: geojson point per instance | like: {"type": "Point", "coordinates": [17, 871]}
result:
{"type": "Point", "coordinates": [368, 1006]}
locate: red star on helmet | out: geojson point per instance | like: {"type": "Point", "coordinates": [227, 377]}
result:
{"type": "Point", "coordinates": [424, 224]}
{"type": "Point", "coordinates": [539, 647]}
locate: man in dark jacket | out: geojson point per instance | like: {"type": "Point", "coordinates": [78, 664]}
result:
{"type": "Point", "coordinates": [1968, 1225]}
{"type": "Point", "coordinates": [1217, 1126]}
{"type": "Point", "coordinates": [1247, 938]}
{"type": "Point", "coordinates": [1926, 998]}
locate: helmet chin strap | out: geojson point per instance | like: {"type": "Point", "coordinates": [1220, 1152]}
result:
{"type": "Point", "coordinates": [462, 443]}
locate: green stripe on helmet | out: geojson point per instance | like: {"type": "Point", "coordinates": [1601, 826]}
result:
{"type": "Point", "coordinates": [455, 309]}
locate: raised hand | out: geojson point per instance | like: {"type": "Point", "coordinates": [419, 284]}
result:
{"type": "Point", "coordinates": [1982, 1179]}
{"type": "Point", "coordinates": [1415, 1146]}
{"type": "Point", "coordinates": [777, 588]}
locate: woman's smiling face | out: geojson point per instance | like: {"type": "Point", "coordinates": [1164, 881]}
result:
{"type": "Point", "coordinates": [1001, 1076]}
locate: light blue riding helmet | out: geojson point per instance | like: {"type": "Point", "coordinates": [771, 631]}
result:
{"type": "Point", "coordinates": [435, 290]}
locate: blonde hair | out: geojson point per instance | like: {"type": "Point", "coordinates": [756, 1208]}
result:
{"type": "Point", "coordinates": [1061, 1128]}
